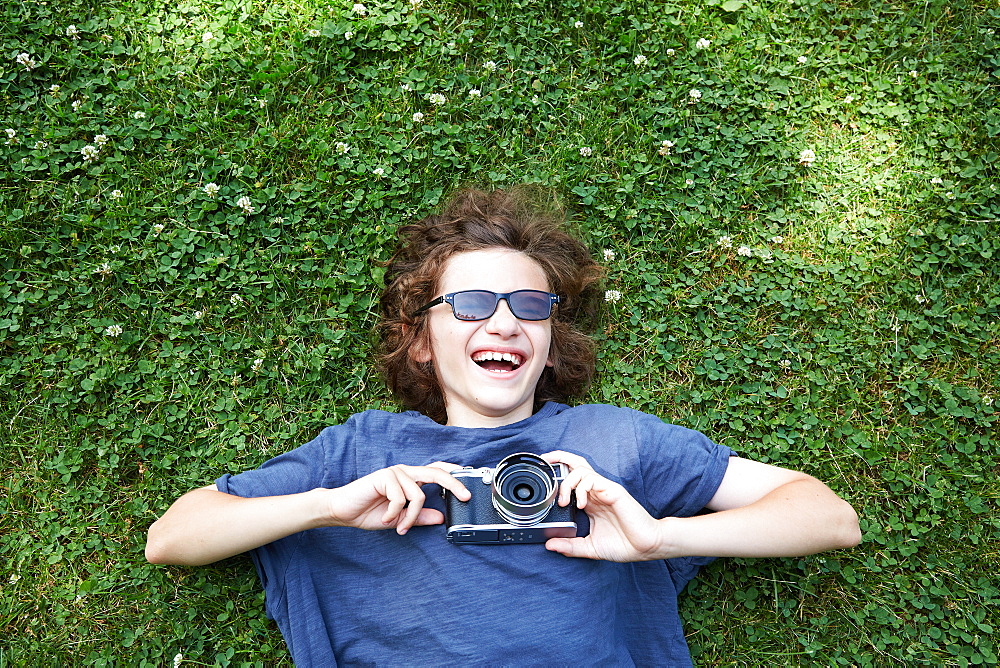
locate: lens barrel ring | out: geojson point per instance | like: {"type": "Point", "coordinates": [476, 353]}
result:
{"type": "Point", "coordinates": [524, 489]}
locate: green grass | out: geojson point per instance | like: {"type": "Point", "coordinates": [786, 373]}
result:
{"type": "Point", "coordinates": [849, 326]}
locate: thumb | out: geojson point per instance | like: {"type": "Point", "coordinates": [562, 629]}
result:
{"type": "Point", "coordinates": [568, 547]}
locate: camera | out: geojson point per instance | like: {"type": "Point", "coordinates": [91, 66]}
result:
{"type": "Point", "coordinates": [512, 503]}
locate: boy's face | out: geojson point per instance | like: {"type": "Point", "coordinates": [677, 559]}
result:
{"type": "Point", "coordinates": [488, 392]}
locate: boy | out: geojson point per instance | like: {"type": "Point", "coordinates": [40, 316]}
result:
{"type": "Point", "coordinates": [481, 341]}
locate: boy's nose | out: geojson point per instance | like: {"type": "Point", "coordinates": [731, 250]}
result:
{"type": "Point", "coordinates": [503, 320]}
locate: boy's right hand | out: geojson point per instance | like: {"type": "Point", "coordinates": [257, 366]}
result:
{"type": "Point", "coordinates": [392, 497]}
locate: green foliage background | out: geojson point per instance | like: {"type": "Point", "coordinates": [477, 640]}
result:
{"type": "Point", "coordinates": [839, 316]}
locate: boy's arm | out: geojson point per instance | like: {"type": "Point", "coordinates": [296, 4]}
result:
{"type": "Point", "coordinates": [767, 511]}
{"type": "Point", "coordinates": [206, 525]}
{"type": "Point", "coordinates": [762, 511]}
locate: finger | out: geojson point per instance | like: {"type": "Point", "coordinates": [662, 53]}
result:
{"type": "Point", "coordinates": [572, 481]}
{"type": "Point", "coordinates": [568, 458]}
{"type": "Point", "coordinates": [570, 547]}
{"type": "Point", "coordinates": [447, 467]}
{"type": "Point", "coordinates": [415, 497]}
{"type": "Point", "coordinates": [582, 492]}
{"type": "Point", "coordinates": [393, 493]}
{"type": "Point", "coordinates": [437, 474]}
{"type": "Point", "coordinates": [428, 517]}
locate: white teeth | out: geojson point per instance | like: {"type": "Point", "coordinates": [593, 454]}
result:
{"type": "Point", "coordinates": [489, 355]}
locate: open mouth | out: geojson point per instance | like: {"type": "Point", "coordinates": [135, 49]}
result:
{"type": "Point", "coordinates": [496, 362]}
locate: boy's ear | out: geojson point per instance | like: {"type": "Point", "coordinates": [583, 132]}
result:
{"type": "Point", "coordinates": [419, 351]}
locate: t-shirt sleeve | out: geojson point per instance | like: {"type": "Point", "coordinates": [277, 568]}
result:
{"type": "Point", "coordinates": [681, 468]}
{"type": "Point", "coordinates": [298, 470]}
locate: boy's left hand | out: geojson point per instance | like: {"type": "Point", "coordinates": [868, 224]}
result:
{"type": "Point", "coordinates": [620, 528]}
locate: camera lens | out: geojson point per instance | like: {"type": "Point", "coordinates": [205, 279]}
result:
{"type": "Point", "coordinates": [524, 489]}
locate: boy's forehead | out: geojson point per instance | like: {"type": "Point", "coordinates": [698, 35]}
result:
{"type": "Point", "coordinates": [497, 269]}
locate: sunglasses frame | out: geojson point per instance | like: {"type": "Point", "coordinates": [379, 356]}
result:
{"type": "Point", "coordinates": [449, 299]}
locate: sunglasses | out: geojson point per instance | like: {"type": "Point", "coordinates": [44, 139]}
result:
{"type": "Point", "coordinates": [470, 305]}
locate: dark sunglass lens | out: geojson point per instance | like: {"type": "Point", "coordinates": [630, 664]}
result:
{"type": "Point", "coordinates": [531, 305]}
{"type": "Point", "coordinates": [474, 304]}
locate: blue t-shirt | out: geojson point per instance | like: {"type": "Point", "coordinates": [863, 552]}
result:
{"type": "Point", "coordinates": [365, 598]}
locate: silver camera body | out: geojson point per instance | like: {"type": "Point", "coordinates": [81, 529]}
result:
{"type": "Point", "coordinates": [512, 503]}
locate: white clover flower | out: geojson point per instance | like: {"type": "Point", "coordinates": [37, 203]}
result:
{"type": "Point", "coordinates": [236, 300]}
{"type": "Point", "coordinates": [988, 400]}
{"type": "Point", "coordinates": [807, 157]}
{"type": "Point", "coordinates": [313, 32]}
{"type": "Point", "coordinates": [586, 151]}
{"type": "Point", "coordinates": [342, 147]}
{"type": "Point", "coordinates": [379, 172]}
{"type": "Point", "coordinates": [360, 9]}
{"type": "Point", "coordinates": [100, 140]}
{"type": "Point", "coordinates": [116, 194]}
{"type": "Point", "coordinates": [535, 100]}
{"type": "Point", "coordinates": [490, 66]}
{"type": "Point", "coordinates": [106, 38]}
{"type": "Point", "coordinates": [694, 94]}
{"type": "Point", "coordinates": [785, 364]}
{"type": "Point", "coordinates": [73, 31]}
{"type": "Point", "coordinates": [260, 103]}
{"type": "Point", "coordinates": [612, 295]}
{"type": "Point", "coordinates": [257, 364]}
{"type": "Point", "coordinates": [475, 92]}
{"type": "Point", "coordinates": [744, 251]}
{"type": "Point", "coordinates": [207, 37]}
{"type": "Point", "coordinates": [665, 147]}
{"type": "Point", "coordinates": [198, 315]}
{"type": "Point", "coordinates": [802, 60]}
{"type": "Point", "coordinates": [914, 74]}
{"type": "Point", "coordinates": [139, 115]}
{"type": "Point", "coordinates": [89, 153]}
{"type": "Point", "coordinates": [278, 220]}
{"type": "Point", "coordinates": [11, 135]}
{"type": "Point", "coordinates": [777, 239]}
{"type": "Point", "coordinates": [245, 204]}
{"type": "Point", "coordinates": [407, 87]}
{"type": "Point", "coordinates": [158, 228]}
{"type": "Point", "coordinates": [54, 89]}
{"type": "Point", "coordinates": [113, 330]}
{"type": "Point", "coordinates": [670, 52]}
{"type": "Point", "coordinates": [848, 99]}
{"type": "Point", "coordinates": [116, 248]}
{"type": "Point", "coordinates": [702, 43]}
{"type": "Point", "coordinates": [76, 104]}
{"type": "Point", "coordinates": [609, 255]}
{"type": "Point", "coordinates": [349, 34]}
{"type": "Point", "coordinates": [920, 299]}
{"type": "Point", "coordinates": [211, 189]}
{"type": "Point", "coordinates": [689, 182]}
{"type": "Point", "coordinates": [578, 24]}
{"type": "Point", "coordinates": [950, 195]}
{"type": "Point", "coordinates": [39, 145]}
{"type": "Point", "coordinates": [418, 117]}
{"type": "Point", "coordinates": [640, 60]}
{"type": "Point", "coordinates": [104, 270]}
{"type": "Point", "coordinates": [936, 181]}
{"type": "Point", "coordinates": [725, 241]}
{"type": "Point", "coordinates": [26, 60]}
{"type": "Point", "coordinates": [177, 659]}
{"type": "Point", "coordinates": [415, 4]}
{"type": "Point", "coordinates": [437, 99]}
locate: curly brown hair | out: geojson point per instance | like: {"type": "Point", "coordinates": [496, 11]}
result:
{"type": "Point", "coordinates": [517, 219]}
